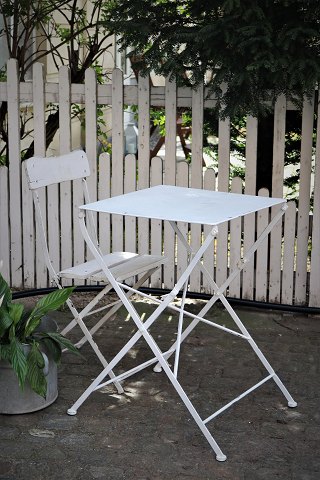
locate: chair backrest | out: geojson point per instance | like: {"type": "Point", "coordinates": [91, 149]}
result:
{"type": "Point", "coordinates": [44, 171]}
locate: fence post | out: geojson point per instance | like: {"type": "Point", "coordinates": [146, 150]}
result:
{"type": "Point", "coordinates": [15, 214]}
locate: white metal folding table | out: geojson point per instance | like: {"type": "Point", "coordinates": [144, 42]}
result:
{"type": "Point", "coordinates": [178, 204]}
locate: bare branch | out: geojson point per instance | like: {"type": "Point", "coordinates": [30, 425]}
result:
{"type": "Point", "coordinates": [6, 28]}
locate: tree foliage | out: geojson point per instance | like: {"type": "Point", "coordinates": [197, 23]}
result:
{"type": "Point", "coordinates": [248, 51]}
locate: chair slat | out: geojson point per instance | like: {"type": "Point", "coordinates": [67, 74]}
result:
{"type": "Point", "coordinates": [42, 172]}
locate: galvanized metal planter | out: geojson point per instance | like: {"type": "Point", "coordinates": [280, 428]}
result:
{"type": "Point", "coordinates": [12, 399]}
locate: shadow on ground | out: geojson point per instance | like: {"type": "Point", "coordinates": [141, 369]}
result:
{"type": "Point", "coordinates": [147, 433]}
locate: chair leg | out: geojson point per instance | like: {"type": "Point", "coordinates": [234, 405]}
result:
{"type": "Point", "coordinates": [115, 307]}
{"type": "Point", "coordinates": [87, 309]}
{"type": "Point", "coordinates": [94, 346]}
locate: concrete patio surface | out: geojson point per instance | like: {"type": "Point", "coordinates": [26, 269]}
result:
{"type": "Point", "coordinates": [147, 433]}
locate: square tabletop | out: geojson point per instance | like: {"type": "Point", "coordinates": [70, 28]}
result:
{"type": "Point", "coordinates": [167, 202]}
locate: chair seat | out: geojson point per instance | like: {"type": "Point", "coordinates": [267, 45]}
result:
{"type": "Point", "coordinates": [121, 264]}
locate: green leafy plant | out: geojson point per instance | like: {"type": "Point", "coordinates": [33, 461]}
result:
{"type": "Point", "coordinates": [65, 33]}
{"type": "Point", "coordinates": [19, 328]}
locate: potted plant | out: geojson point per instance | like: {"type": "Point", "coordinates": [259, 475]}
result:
{"type": "Point", "coordinates": [30, 349]}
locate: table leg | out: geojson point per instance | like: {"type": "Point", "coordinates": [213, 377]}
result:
{"type": "Point", "coordinates": [218, 294]}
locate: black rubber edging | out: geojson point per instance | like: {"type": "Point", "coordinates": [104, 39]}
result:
{"type": "Point", "coordinates": [192, 295]}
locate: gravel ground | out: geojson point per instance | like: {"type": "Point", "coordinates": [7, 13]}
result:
{"type": "Point", "coordinates": [147, 433]}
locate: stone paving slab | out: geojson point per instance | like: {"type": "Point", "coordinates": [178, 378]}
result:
{"type": "Point", "coordinates": [147, 433]}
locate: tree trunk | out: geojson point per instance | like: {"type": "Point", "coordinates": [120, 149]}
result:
{"type": "Point", "coordinates": [52, 123]}
{"type": "Point", "coordinates": [52, 126]}
{"type": "Point", "coordinates": [265, 153]}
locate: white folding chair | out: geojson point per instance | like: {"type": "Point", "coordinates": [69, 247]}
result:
{"type": "Point", "coordinates": [44, 171]}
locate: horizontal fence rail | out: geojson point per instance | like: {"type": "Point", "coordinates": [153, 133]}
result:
{"type": "Point", "coordinates": [286, 267]}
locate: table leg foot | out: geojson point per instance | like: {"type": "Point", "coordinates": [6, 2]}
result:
{"type": "Point", "coordinates": [71, 411]}
{"type": "Point", "coordinates": [119, 389]}
{"type": "Point", "coordinates": [292, 404]}
{"type": "Point", "coordinates": [221, 457]}
{"type": "Point", "coordinates": [157, 368]}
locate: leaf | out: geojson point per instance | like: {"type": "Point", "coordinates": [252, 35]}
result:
{"type": "Point", "coordinates": [48, 303]}
{"type": "Point", "coordinates": [18, 361]}
{"type": "Point", "coordinates": [16, 311]}
{"type": "Point", "coordinates": [10, 313]}
{"type": "Point", "coordinates": [12, 334]}
{"type": "Point", "coordinates": [5, 352]}
{"type": "Point", "coordinates": [5, 321]}
{"type": "Point", "coordinates": [31, 324]}
{"type": "Point", "coordinates": [5, 292]}
{"type": "Point", "coordinates": [63, 342]}
{"type": "Point", "coordinates": [35, 375]}
{"type": "Point", "coordinates": [53, 349]}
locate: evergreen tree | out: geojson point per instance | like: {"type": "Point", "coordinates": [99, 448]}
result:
{"type": "Point", "coordinates": [249, 51]}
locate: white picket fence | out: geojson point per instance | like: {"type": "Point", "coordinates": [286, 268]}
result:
{"type": "Point", "coordinates": [283, 270]}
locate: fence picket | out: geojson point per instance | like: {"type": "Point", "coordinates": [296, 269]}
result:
{"type": "Point", "coordinates": [288, 253]}
{"type": "Point", "coordinates": [104, 167]}
{"type": "Point", "coordinates": [182, 255]}
{"type": "Point", "coordinates": [314, 294]}
{"type": "Point", "coordinates": [250, 189]}
{"type": "Point", "coordinates": [117, 155]}
{"type": "Point", "coordinates": [78, 242]}
{"type": "Point", "coordinates": [144, 155]}
{"type": "Point", "coordinates": [91, 135]}
{"type": "Point", "coordinates": [235, 243]}
{"type": "Point", "coordinates": [38, 95]}
{"type": "Point", "coordinates": [209, 183]}
{"type": "Point", "coordinates": [196, 175]}
{"type": "Point", "coordinates": [277, 191]}
{"type": "Point", "coordinates": [28, 233]}
{"type": "Point", "coordinates": [91, 129]}
{"type": "Point", "coordinates": [130, 223]}
{"type": "Point", "coordinates": [262, 252]}
{"type": "Point", "coordinates": [223, 186]}
{"type": "Point", "coordinates": [171, 132]}
{"type": "Point", "coordinates": [304, 202]}
{"type": "Point", "coordinates": [170, 176]}
{"type": "Point", "coordinates": [130, 226]}
{"type": "Point", "coordinates": [65, 187]}
{"type": "Point", "coordinates": [53, 196]}
{"type": "Point", "coordinates": [53, 225]}
{"type": "Point", "coordinates": [4, 222]}
{"type": "Point", "coordinates": [156, 178]}
{"type": "Point", "coordinates": [144, 132]}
